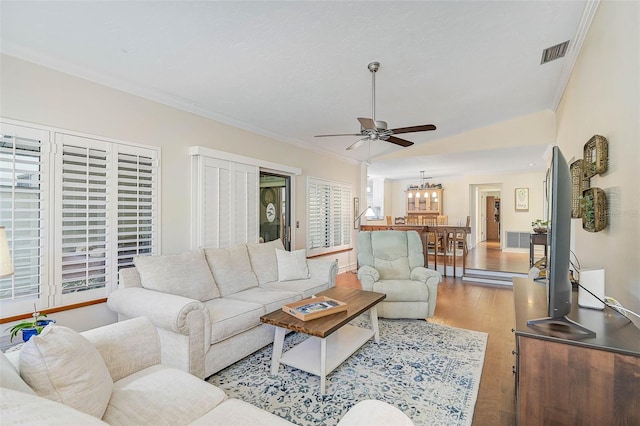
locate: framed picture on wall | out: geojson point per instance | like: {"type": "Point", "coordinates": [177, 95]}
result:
{"type": "Point", "coordinates": [522, 199]}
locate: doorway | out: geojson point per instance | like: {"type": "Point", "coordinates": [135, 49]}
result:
{"type": "Point", "coordinates": [275, 208]}
{"type": "Point", "coordinates": [487, 217]}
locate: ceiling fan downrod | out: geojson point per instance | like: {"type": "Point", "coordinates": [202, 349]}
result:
{"type": "Point", "coordinates": [373, 67]}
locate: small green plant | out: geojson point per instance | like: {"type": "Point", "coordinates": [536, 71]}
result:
{"type": "Point", "coordinates": [37, 316]}
{"type": "Point", "coordinates": [588, 211]}
{"type": "Point", "coordinates": [539, 223]}
{"type": "Point", "coordinates": [540, 226]}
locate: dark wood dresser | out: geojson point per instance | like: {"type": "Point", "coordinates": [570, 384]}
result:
{"type": "Point", "coordinates": [568, 381]}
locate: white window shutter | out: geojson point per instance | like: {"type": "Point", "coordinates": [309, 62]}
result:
{"type": "Point", "coordinates": [225, 203]}
{"type": "Point", "coordinates": [137, 205]}
{"type": "Point", "coordinates": [24, 203]}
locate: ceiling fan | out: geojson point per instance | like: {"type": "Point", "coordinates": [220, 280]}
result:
{"type": "Point", "coordinates": [373, 130]}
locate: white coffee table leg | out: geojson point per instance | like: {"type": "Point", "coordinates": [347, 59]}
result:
{"type": "Point", "coordinates": [373, 315]}
{"type": "Point", "coordinates": [278, 343]}
{"type": "Point", "coordinates": [323, 365]}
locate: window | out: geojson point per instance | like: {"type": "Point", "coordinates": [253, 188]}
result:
{"type": "Point", "coordinates": [375, 196]}
{"type": "Point", "coordinates": [329, 216]}
{"type": "Point", "coordinates": [76, 209]}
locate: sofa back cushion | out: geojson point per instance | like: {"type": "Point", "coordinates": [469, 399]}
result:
{"type": "Point", "coordinates": [231, 269]}
{"type": "Point", "coordinates": [185, 274]}
{"type": "Point", "coordinates": [263, 260]}
{"type": "Point", "coordinates": [61, 365]}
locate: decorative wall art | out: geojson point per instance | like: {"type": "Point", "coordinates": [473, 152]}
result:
{"type": "Point", "coordinates": [590, 203]}
{"type": "Point", "coordinates": [522, 199]}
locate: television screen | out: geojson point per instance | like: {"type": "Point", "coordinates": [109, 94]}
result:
{"type": "Point", "coordinates": [558, 193]}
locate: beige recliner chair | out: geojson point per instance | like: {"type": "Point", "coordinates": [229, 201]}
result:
{"type": "Point", "coordinates": [392, 262]}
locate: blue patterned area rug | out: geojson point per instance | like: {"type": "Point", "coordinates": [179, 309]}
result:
{"type": "Point", "coordinates": [429, 371]}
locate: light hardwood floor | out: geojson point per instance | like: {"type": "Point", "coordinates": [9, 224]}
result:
{"type": "Point", "coordinates": [484, 308]}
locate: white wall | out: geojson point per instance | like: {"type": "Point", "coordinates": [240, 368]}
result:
{"type": "Point", "coordinates": [603, 97]}
{"type": "Point", "coordinates": [40, 95]}
{"type": "Point", "coordinates": [533, 129]}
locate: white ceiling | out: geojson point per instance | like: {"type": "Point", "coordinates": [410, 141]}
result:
{"type": "Point", "coordinates": [292, 70]}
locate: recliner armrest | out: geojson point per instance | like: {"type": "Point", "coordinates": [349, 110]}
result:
{"type": "Point", "coordinates": [367, 276]}
{"type": "Point", "coordinates": [423, 274]}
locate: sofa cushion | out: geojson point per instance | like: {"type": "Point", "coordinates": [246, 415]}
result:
{"type": "Point", "coordinates": [271, 299]}
{"type": "Point", "coordinates": [292, 265]}
{"type": "Point", "coordinates": [263, 260]}
{"type": "Point", "coordinates": [161, 395]}
{"type": "Point", "coordinates": [231, 269]}
{"type": "Point", "coordinates": [306, 288]}
{"type": "Point", "coordinates": [402, 290]}
{"type": "Point", "coordinates": [230, 317]}
{"type": "Point", "coordinates": [61, 365]}
{"type": "Point", "coordinates": [185, 274]}
{"type": "Point", "coordinates": [18, 408]}
{"type": "Point", "coordinates": [10, 378]}
{"type": "Point", "coordinates": [234, 412]}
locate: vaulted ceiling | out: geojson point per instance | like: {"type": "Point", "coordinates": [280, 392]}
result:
{"type": "Point", "coordinates": [293, 70]}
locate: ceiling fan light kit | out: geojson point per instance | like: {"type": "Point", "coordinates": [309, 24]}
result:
{"type": "Point", "coordinates": [373, 130]}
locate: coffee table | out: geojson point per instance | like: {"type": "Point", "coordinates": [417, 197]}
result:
{"type": "Point", "coordinates": [332, 340]}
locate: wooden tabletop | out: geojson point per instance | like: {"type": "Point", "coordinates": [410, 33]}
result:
{"type": "Point", "coordinates": [358, 301]}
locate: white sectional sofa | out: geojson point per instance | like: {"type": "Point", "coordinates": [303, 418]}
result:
{"type": "Point", "coordinates": [113, 375]}
{"type": "Point", "coordinates": [207, 304]}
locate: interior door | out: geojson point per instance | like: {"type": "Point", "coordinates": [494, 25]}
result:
{"type": "Point", "coordinates": [493, 218]}
{"type": "Point", "coordinates": [275, 208]}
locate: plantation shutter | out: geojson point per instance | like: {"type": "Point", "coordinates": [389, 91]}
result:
{"type": "Point", "coordinates": [328, 215]}
{"type": "Point", "coordinates": [85, 217]}
{"type": "Point", "coordinates": [108, 211]}
{"type": "Point", "coordinates": [137, 205]}
{"type": "Point", "coordinates": [225, 204]}
{"type": "Point", "coordinates": [23, 206]}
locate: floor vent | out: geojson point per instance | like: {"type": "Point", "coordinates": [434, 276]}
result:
{"type": "Point", "coordinates": [518, 240]}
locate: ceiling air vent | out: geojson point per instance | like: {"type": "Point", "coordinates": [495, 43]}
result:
{"type": "Point", "coordinates": [554, 52]}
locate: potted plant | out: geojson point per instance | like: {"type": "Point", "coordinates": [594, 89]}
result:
{"type": "Point", "coordinates": [540, 226]}
{"type": "Point", "coordinates": [588, 211]}
{"type": "Point", "coordinates": [31, 327]}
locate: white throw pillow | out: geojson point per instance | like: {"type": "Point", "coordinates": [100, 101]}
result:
{"type": "Point", "coordinates": [185, 274]}
{"type": "Point", "coordinates": [292, 265]}
{"type": "Point", "coordinates": [63, 366]}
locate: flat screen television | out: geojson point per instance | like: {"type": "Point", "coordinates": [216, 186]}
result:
{"type": "Point", "coordinates": [558, 194]}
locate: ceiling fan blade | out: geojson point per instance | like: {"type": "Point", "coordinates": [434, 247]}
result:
{"type": "Point", "coordinates": [357, 144]}
{"type": "Point", "coordinates": [399, 141]}
{"type": "Point", "coordinates": [367, 123]}
{"type": "Point", "coordinates": [342, 134]}
{"type": "Point", "coordinates": [423, 128]}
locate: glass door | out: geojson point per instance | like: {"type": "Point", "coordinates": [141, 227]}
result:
{"type": "Point", "coordinates": [275, 209]}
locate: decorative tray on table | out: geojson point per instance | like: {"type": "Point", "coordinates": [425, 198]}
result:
{"type": "Point", "coordinates": [314, 307]}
